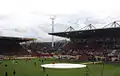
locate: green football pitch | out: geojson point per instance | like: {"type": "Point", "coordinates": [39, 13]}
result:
{"type": "Point", "coordinates": [24, 68]}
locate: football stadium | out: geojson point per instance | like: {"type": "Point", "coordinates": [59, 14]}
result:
{"type": "Point", "coordinates": [90, 52]}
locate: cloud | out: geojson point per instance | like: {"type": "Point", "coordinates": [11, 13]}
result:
{"type": "Point", "coordinates": [28, 18]}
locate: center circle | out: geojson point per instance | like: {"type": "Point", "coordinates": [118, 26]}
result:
{"type": "Point", "coordinates": [63, 65]}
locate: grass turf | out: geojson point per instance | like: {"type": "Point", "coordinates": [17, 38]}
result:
{"type": "Point", "coordinates": [29, 69]}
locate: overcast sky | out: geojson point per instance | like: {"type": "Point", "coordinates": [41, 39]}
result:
{"type": "Point", "coordinates": [31, 18]}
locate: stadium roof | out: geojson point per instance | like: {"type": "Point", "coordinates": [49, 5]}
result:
{"type": "Point", "coordinates": [104, 32]}
{"type": "Point", "coordinates": [16, 39]}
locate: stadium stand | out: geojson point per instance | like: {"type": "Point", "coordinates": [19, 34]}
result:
{"type": "Point", "coordinates": [10, 46]}
{"type": "Point", "coordinates": [92, 43]}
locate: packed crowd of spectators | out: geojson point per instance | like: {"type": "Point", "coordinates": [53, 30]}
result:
{"type": "Point", "coordinates": [84, 48]}
{"type": "Point", "coordinates": [89, 48]}
{"type": "Point", "coordinates": [12, 48]}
